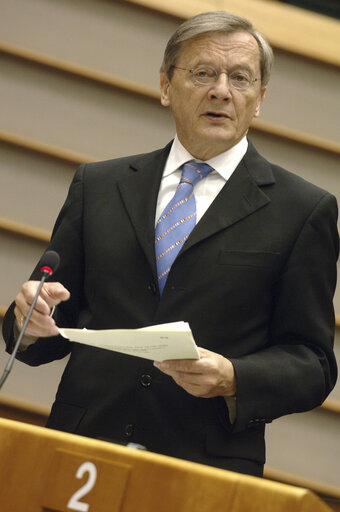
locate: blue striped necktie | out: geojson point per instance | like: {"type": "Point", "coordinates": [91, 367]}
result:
{"type": "Point", "coordinates": [177, 219]}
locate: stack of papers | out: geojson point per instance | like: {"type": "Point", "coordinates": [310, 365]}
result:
{"type": "Point", "coordinates": [158, 342]}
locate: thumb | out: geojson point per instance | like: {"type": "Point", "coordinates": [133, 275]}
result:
{"type": "Point", "coordinates": [54, 293]}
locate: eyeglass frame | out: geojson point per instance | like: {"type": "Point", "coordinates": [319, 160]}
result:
{"type": "Point", "coordinates": [195, 81]}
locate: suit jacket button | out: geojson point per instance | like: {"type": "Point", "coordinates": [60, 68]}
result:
{"type": "Point", "coordinates": [145, 380]}
{"type": "Point", "coordinates": [152, 287]}
{"type": "Point", "coordinates": [128, 430]}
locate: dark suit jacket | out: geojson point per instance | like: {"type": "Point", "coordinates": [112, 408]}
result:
{"type": "Point", "coordinates": [255, 281]}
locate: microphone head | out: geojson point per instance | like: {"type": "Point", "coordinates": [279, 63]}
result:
{"type": "Point", "coordinates": [49, 262]}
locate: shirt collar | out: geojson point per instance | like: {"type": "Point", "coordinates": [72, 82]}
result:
{"type": "Point", "coordinates": [224, 163]}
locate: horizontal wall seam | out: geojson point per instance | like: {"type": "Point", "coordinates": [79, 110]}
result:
{"type": "Point", "coordinates": [287, 27]}
{"type": "Point", "coordinates": [320, 488]}
{"type": "Point", "coordinates": [17, 228]}
{"type": "Point", "coordinates": [49, 150]}
{"type": "Point", "coordinates": [78, 70]}
{"type": "Point", "coordinates": [151, 93]}
{"type": "Point", "coordinates": [332, 405]}
{"type": "Point", "coordinates": [12, 403]}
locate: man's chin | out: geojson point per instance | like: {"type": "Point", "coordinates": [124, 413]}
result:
{"type": "Point", "coordinates": [218, 135]}
{"type": "Point", "coordinates": [209, 147]}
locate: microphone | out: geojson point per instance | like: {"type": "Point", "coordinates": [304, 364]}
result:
{"type": "Point", "coordinates": [48, 265]}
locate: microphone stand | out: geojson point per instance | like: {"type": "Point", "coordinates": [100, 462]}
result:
{"type": "Point", "coordinates": [10, 363]}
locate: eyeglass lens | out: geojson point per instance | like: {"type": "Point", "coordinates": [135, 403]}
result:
{"type": "Point", "coordinates": [239, 79]}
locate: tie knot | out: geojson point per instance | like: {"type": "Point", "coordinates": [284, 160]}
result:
{"type": "Point", "coordinates": [194, 171]}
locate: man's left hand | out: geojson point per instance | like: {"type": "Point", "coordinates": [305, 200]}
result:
{"type": "Point", "coordinates": [209, 376]}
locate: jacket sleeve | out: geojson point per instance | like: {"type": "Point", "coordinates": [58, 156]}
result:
{"type": "Point", "coordinates": [297, 370]}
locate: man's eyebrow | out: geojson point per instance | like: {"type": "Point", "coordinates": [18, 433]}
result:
{"type": "Point", "coordinates": [242, 67]}
{"type": "Point", "coordinates": [233, 67]}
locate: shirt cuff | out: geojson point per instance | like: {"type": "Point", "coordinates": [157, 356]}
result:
{"type": "Point", "coordinates": [231, 404]}
{"type": "Point", "coordinates": [26, 341]}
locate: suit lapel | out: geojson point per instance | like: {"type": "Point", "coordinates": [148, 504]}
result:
{"type": "Point", "coordinates": [241, 196]}
{"type": "Point", "coordinates": [139, 192]}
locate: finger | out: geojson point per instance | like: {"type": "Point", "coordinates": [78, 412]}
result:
{"type": "Point", "coordinates": [50, 295]}
{"type": "Point", "coordinates": [194, 386]}
{"type": "Point", "coordinates": [180, 365]}
{"type": "Point", "coordinates": [207, 362]}
{"type": "Point", "coordinates": [54, 293]}
{"type": "Point", "coordinates": [199, 386]}
{"type": "Point", "coordinates": [42, 326]}
{"type": "Point", "coordinates": [39, 324]}
{"type": "Point", "coordinates": [19, 316]}
{"type": "Point", "coordinates": [194, 379]}
{"type": "Point", "coordinates": [203, 352]}
{"type": "Point", "coordinates": [24, 300]}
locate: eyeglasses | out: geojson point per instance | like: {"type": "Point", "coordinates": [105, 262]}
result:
{"type": "Point", "coordinates": [207, 75]}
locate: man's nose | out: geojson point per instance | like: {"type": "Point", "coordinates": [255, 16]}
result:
{"type": "Point", "coordinates": [221, 88]}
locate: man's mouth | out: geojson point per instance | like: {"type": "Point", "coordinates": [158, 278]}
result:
{"type": "Point", "coordinates": [216, 115]}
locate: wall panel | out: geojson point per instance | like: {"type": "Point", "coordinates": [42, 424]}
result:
{"type": "Point", "coordinates": [306, 444]}
{"type": "Point", "coordinates": [78, 114]}
{"type": "Point", "coordinates": [33, 186]}
{"type": "Point", "coordinates": [36, 384]}
{"type": "Point", "coordinates": [304, 95]}
{"type": "Point", "coordinates": [18, 257]}
{"type": "Point", "coordinates": [320, 167]}
{"type": "Point", "coordinates": [107, 35]}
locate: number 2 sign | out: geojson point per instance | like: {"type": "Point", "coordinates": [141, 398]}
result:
{"type": "Point", "coordinates": [84, 484]}
{"type": "Point", "coordinates": [74, 503]}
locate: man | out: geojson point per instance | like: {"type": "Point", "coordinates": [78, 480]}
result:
{"type": "Point", "coordinates": [254, 277]}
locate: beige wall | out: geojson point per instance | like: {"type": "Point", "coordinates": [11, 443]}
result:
{"type": "Point", "coordinates": [58, 108]}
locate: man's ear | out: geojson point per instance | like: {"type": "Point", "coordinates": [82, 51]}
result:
{"type": "Point", "coordinates": [259, 101]}
{"type": "Point", "coordinates": [165, 84]}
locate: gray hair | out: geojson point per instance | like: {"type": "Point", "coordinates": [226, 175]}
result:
{"type": "Point", "coordinates": [216, 22]}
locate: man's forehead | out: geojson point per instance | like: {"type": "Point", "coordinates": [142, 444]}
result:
{"type": "Point", "coordinates": [221, 45]}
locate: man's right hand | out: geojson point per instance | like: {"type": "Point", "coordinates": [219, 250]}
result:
{"type": "Point", "coordinates": [41, 323]}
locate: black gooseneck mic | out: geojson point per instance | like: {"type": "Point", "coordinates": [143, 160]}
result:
{"type": "Point", "coordinates": [48, 265]}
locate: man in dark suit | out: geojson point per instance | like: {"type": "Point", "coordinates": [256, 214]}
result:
{"type": "Point", "coordinates": [254, 278]}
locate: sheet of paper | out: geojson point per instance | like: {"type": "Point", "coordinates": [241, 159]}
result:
{"type": "Point", "coordinates": [157, 342]}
